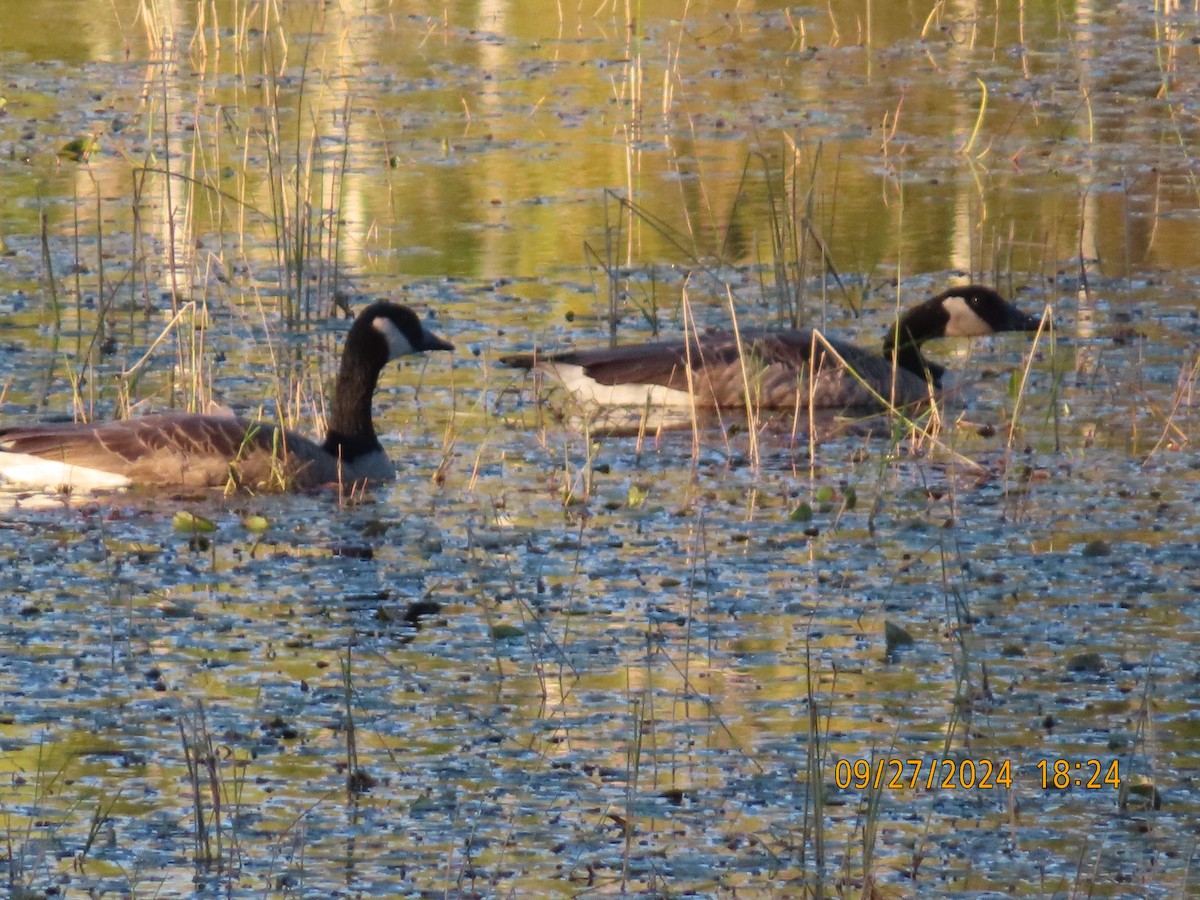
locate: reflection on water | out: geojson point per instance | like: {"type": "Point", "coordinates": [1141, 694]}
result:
{"type": "Point", "coordinates": [646, 651]}
{"type": "Point", "coordinates": [477, 142]}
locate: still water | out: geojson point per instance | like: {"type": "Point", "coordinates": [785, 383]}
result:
{"type": "Point", "coordinates": [644, 663]}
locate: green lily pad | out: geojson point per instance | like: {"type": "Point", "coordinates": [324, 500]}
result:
{"type": "Point", "coordinates": [802, 513]}
{"type": "Point", "coordinates": [257, 524]}
{"type": "Point", "coordinates": [190, 523]}
{"type": "Point", "coordinates": [80, 149]}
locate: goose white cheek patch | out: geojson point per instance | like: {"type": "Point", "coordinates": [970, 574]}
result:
{"type": "Point", "coordinates": [398, 344]}
{"type": "Point", "coordinates": [964, 322]}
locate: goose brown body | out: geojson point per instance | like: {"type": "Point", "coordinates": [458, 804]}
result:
{"type": "Point", "coordinates": [780, 369]}
{"type": "Point", "coordinates": [192, 450]}
{"type": "Point", "coordinates": [184, 449]}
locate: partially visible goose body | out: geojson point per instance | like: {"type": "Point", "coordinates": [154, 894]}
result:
{"type": "Point", "coordinates": [192, 450]}
{"type": "Point", "coordinates": [789, 369]}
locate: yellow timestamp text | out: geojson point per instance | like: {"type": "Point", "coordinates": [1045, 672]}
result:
{"type": "Point", "coordinates": [934, 772]}
{"type": "Point", "coordinates": [1090, 774]}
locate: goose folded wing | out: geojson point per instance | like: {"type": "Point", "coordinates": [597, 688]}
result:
{"type": "Point", "coordinates": [169, 448]}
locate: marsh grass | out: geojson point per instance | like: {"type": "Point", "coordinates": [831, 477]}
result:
{"type": "Point", "coordinates": [815, 811]}
{"type": "Point", "coordinates": [29, 840]}
{"type": "Point", "coordinates": [210, 840]}
{"type": "Point", "coordinates": [305, 233]}
{"type": "Point", "coordinates": [794, 194]}
{"type": "Point", "coordinates": [178, 174]}
{"type": "Point", "coordinates": [1173, 435]}
{"type": "Point", "coordinates": [281, 132]}
{"type": "Point", "coordinates": [358, 779]}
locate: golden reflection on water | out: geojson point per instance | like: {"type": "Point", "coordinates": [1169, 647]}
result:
{"type": "Point", "coordinates": [477, 141]}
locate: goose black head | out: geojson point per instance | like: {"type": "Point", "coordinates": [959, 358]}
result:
{"type": "Point", "coordinates": [969, 311]}
{"type": "Point", "coordinates": [977, 310]}
{"type": "Point", "coordinates": [400, 328]}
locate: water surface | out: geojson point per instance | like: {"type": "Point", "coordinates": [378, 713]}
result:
{"type": "Point", "coordinates": [642, 660]}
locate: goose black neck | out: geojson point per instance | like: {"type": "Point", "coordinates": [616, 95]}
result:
{"type": "Point", "coordinates": [351, 430]}
{"type": "Point", "coordinates": [903, 345]}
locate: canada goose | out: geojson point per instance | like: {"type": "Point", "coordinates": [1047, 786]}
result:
{"type": "Point", "coordinates": [192, 450]}
{"type": "Point", "coordinates": [787, 369]}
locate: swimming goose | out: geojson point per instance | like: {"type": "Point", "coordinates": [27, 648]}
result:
{"type": "Point", "coordinates": [787, 369]}
{"type": "Point", "coordinates": [192, 450]}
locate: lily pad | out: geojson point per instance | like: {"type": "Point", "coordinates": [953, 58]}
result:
{"type": "Point", "coordinates": [255, 523]}
{"type": "Point", "coordinates": [192, 523]}
{"type": "Point", "coordinates": [802, 513]}
{"type": "Point", "coordinates": [80, 149]}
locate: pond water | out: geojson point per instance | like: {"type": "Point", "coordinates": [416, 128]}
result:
{"type": "Point", "coordinates": [554, 661]}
